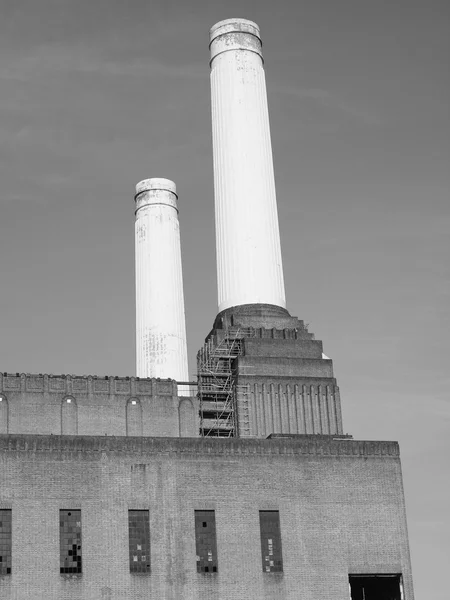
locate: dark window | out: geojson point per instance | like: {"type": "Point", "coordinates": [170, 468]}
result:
{"type": "Point", "coordinates": [5, 541]}
{"type": "Point", "coordinates": [205, 541]}
{"type": "Point", "coordinates": [375, 587]}
{"type": "Point", "coordinates": [70, 541]}
{"type": "Point", "coordinates": [139, 538]}
{"type": "Point", "coordinates": [272, 559]}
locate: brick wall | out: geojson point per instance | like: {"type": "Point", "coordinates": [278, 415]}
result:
{"type": "Point", "coordinates": [340, 501]}
{"type": "Point", "coordinates": [273, 407]}
{"type": "Point", "coordinates": [285, 384]}
{"type": "Point", "coordinates": [37, 404]}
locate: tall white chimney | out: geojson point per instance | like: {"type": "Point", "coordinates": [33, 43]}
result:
{"type": "Point", "coordinates": [249, 267]}
{"type": "Point", "coordinates": [160, 320]}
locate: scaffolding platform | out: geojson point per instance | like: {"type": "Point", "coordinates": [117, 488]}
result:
{"type": "Point", "coordinates": [217, 378]}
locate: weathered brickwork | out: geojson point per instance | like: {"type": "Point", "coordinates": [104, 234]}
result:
{"type": "Point", "coordinates": [287, 408]}
{"type": "Point", "coordinates": [71, 405]}
{"type": "Point", "coordinates": [340, 504]}
{"type": "Point", "coordinates": [284, 382]}
{"type": "Point", "coordinates": [107, 448]}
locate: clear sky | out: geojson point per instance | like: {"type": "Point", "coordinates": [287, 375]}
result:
{"type": "Point", "coordinates": [97, 95]}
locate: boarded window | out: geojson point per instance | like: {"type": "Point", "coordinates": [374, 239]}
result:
{"type": "Point", "coordinates": [375, 587]}
{"type": "Point", "coordinates": [188, 423]}
{"type": "Point", "coordinates": [5, 541]}
{"type": "Point", "coordinates": [139, 541]}
{"type": "Point", "coordinates": [70, 541]}
{"type": "Point", "coordinates": [134, 417]}
{"type": "Point", "coordinates": [205, 541]}
{"type": "Point", "coordinates": [272, 559]}
{"type": "Point", "coordinates": [69, 416]}
{"type": "Point", "coordinates": [3, 414]}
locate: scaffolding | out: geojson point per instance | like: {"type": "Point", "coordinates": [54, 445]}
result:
{"type": "Point", "coordinates": [217, 389]}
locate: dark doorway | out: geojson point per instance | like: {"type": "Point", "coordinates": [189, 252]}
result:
{"type": "Point", "coordinates": [375, 587]}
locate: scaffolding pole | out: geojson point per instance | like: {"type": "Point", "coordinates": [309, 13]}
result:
{"type": "Point", "coordinates": [217, 388]}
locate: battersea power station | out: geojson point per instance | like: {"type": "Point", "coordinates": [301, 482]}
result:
{"type": "Point", "coordinates": [240, 486]}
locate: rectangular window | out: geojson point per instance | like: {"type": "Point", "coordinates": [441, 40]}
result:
{"type": "Point", "coordinates": [70, 541]}
{"type": "Point", "coordinates": [5, 541]}
{"type": "Point", "coordinates": [375, 587]}
{"type": "Point", "coordinates": [139, 541]}
{"type": "Point", "coordinates": [272, 559]}
{"type": "Point", "coordinates": [205, 541]}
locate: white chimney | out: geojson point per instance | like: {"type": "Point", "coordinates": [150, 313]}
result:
{"type": "Point", "coordinates": [249, 267]}
{"type": "Point", "coordinates": [160, 320]}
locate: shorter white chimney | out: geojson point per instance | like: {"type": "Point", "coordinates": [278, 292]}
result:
{"type": "Point", "coordinates": [160, 319]}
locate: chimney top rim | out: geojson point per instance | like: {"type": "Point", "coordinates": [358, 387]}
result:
{"type": "Point", "coordinates": [234, 25]}
{"type": "Point", "coordinates": [156, 183]}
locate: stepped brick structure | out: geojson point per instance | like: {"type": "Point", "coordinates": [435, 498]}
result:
{"type": "Point", "coordinates": [282, 381]}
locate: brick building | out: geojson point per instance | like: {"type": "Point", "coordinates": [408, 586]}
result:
{"type": "Point", "coordinates": [112, 488]}
{"type": "Point", "coordinates": [245, 488]}
{"type": "Point", "coordinates": [339, 504]}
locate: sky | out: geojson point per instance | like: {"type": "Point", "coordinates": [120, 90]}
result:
{"type": "Point", "coordinates": [96, 96]}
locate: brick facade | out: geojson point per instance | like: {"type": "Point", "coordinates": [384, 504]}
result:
{"type": "Point", "coordinates": [284, 382]}
{"type": "Point", "coordinates": [340, 502]}
{"type": "Point", "coordinates": [107, 446]}
{"type": "Point", "coordinates": [98, 406]}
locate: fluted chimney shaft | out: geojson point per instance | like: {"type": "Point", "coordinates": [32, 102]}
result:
{"type": "Point", "coordinates": [160, 318]}
{"type": "Point", "coordinates": [249, 266]}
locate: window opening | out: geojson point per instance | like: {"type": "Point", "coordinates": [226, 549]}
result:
{"type": "Point", "coordinates": [272, 559]}
{"type": "Point", "coordinates": [139, 541]}
{"type": "Point", "coordinates": [375, 587]}
{"type": "Point", "coordinates": [70, 541]}
{"type": "Point", "coordinates": [205, 541]}
{"type": "Point", "coordinates": [5, 541]}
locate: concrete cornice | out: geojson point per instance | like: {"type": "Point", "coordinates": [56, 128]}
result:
{"type": "Point", "coordinates": [302, 445]}
{"type": "Point", "coordinates": [86, 384]}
